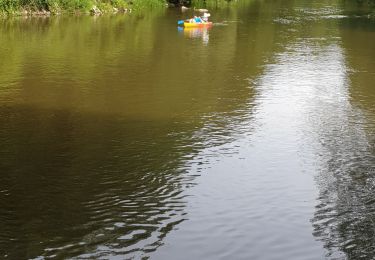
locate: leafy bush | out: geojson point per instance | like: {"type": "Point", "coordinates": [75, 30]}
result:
{"type": "Point", "coordinates": [11, 6]}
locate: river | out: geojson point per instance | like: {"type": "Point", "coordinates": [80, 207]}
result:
{"type": "Point", "coordinates": [126, 137]}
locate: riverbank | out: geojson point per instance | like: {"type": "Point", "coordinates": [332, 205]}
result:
{"type": "Point", "coordinates": [56, 7]}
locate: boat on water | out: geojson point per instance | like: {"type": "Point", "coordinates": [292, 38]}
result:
{"type": "Point", "coordinates": [188, 24]}
{"type": "Point", "coordinates": [196, 22]}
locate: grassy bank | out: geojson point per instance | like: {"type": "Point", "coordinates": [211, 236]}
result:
{"type": "Point", "coordinates": [14, 7]}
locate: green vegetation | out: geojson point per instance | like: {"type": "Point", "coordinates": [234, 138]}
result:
{"type": "Point", "coordinates": [211, 4]}
{"type": "Point", "coordinates": [8, 7]}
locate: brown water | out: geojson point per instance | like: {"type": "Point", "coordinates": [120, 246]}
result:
{"type": "Point", "coordinates": [125, 137]}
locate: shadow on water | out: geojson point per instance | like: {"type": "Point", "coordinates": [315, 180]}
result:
{"type": "Point", "coordinates": [99, 126]}
{"type": "Point", "coordinates": [89, 178]}
{"type": "Point", "coordinates": [96, 185]}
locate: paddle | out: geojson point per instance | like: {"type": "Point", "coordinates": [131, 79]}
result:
{"type": "Point", "coordinates": [180, 22]}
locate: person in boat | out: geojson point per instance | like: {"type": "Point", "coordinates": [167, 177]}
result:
{"type": "Point", "coordinates": [198, 19]}
{"type": "Point", "coordinates": [205, 17]}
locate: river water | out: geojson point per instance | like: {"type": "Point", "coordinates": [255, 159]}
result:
{"type": "Point", "coordinates": [125, 137]}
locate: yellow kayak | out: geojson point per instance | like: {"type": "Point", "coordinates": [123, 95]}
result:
{"type": "Point", "coordinates": [191, 25]}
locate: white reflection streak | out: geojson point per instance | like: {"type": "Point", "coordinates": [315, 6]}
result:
{"type": "Point", "coordinates": [304, 99]}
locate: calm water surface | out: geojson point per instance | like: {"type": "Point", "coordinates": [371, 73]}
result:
{"type": "Point", "coordinates": [125, 137]}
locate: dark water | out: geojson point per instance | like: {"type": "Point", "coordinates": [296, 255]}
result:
{"type": "Point", "coordinates": [126, 138]}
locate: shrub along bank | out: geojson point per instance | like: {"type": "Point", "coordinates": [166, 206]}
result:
{"type": "Point", "coordinates": [19, 7]}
